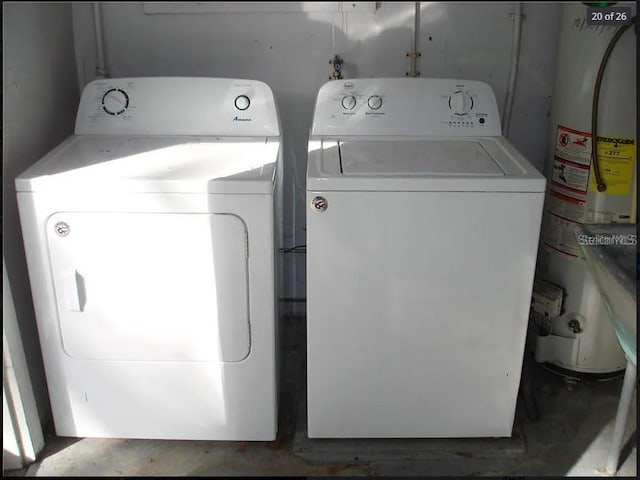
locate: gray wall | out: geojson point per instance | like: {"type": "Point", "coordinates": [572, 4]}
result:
{"type": "Point", "coordinates": [291, 52]}
{"type": "Point", "coordinates": [40, 98]}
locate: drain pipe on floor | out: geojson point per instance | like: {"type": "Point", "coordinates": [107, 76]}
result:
{"type": "Point", "coordinates": [513, 72]}
{"type": "Point", "coordinates": [101, 67]}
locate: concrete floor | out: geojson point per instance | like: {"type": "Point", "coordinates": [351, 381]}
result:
{"type": "Point", "coordinates": [569, 436]}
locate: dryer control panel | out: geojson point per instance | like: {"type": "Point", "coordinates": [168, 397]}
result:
{"type": "Point", "coordinates": [406, 106]}
{"type": "Point", "coordinates": [177, 106]}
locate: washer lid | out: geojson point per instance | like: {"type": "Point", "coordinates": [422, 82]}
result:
{"type": "Point", "coordinates": [419, 164]}
{"type": "Point", "coordinates": [156, 164]}
{"type": "Point", "coordinates": [446, 157]}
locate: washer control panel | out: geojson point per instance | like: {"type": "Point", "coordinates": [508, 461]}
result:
{"type": "Point", "coordinates": [406, 106]}
{"type": "Point", "coordinates": [177, 106]}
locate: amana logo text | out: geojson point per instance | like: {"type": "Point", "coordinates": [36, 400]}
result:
{"type": "Point", "coordinates": [239, 119]}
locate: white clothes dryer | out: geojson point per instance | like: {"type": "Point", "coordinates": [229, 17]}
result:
{"type": "Point", "coordinates": [151, 245]}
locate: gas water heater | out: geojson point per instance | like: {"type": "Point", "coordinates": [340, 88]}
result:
{"type": "Point", "coordinates": [575, 332]}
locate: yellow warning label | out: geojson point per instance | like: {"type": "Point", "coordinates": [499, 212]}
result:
{"type": "Point", "coordinates": [616, 159]}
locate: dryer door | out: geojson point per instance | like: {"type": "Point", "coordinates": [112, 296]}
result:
{"type": "Point", "coordinates": [151, 286]}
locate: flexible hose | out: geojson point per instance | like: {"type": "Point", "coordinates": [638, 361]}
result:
{"type": "Point", "coordinates": [596, 97]}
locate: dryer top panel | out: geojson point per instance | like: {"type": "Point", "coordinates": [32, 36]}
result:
{"type": "Point", "coordinates": [406, 106]}
{"type": "Point", "coordinates": [177, 106]}
{"type": "Point", "coordinates": [156, 164]}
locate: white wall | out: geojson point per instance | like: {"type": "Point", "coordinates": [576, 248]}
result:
{"type": "Point", "coordinates": [291, 52]}
{"type": "Point", "coordinates": [40, 98]}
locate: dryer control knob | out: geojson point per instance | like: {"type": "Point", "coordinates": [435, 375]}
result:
{"type": "Point", "coordinates": [115, 101]}
{"type": "Point", "coordinates": [375, 102]}
{"type": "Point", "coordinates": [242, 102]}
{"type": "Point", "coordinates": [349, 102]}
{"type": "Point", "coordinates": [460, 103]}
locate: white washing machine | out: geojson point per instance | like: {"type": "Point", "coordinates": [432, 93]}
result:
{"type": "Point", "coordinates": [422, 235]}
{"type": "Point", "coordinates": [151, 244]}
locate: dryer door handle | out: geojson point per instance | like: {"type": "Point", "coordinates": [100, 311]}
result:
{"type": "Point", "coordinates": [74, 296]}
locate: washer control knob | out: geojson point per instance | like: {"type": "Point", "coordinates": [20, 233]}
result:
{"type": "Point", "coordinates": [460, 103]}
{"type": "Point", "coordinates": [375, 102]}
{"type": "Point", "coordinates": [349, 102]}
{"type": "Point", "coordinates": [242, 102]}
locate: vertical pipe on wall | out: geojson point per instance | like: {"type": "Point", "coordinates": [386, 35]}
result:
{"type": "Point", "coordinates": [513, 71]}
{"type": "Point", "coordinates": [101, 66]}
{"type": "Point", "coordinates": [413, 54]}
{"type": "Point", "coordinates": [416, 36]}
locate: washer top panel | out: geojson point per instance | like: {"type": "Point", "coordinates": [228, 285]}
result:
{"type": "Point", "coordinates": [451, 158]}
{"type": "Point", "coordinates": [437, 164]}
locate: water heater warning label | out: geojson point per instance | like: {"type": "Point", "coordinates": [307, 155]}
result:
{"type": "Point", "coordinates": [571, 162]}
{"type": "Point", "coordinates": [573, 146]}
{"type": "Point", "coordinates": [566, 206]}
{"type": "Point", "coordinates": [572, 176]}
{"type": "Point", "coordinates": [559, 234]}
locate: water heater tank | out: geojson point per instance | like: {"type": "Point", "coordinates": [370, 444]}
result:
{"type": "Point", "coordinates": [581, 338]}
